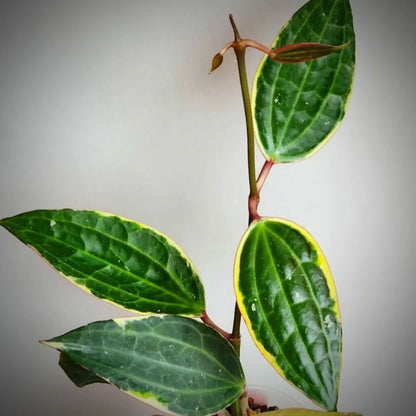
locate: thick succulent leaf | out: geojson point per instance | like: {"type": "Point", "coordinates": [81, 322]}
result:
{"type": "Point", "coordinates": [79, 375]}
{"type": "Point", "coordinates": [172, 363]}
{"type": "Point", "coordinates": [115, 259]}
{"type": "Point", "coordinates": [287, 297]}
{"type": "Point", "coordinates": [297, 107]}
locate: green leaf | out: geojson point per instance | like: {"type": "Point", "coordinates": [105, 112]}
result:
{"type": "Point", "coordinates": [170, 362]}
{"type": "Point", "coordinates": [79, 375]}
{"type": "Point", "coordinates": [298, 107]}
{"type": "Point", "coordinates": [287, 297]}
{"type": "Point", "coordinates": [115, 259]}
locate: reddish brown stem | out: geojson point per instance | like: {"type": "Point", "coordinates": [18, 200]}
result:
{"type": "Point", "coordinates": [268, 164]}
{"type": "Point", "coordinates": [207, 320]}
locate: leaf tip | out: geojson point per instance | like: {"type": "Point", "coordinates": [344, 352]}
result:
{"type": "Point", "coordinates": [3, 222]}
{"type": "Point", "coordinates": [50, 343]}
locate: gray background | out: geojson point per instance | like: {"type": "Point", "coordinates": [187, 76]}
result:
{"type": "Point", "coordinates": [108, 105]}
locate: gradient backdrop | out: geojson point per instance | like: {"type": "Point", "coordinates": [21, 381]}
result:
{"type": "Point", "coordinates": [108, 105]}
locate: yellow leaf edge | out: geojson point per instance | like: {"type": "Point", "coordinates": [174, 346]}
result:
{"type": "Point", "coordinates": [320, 261]}
{"type": "Point", "coordinates": [253, 105]}
{"type": "Point", "coordinates": [85, 289]}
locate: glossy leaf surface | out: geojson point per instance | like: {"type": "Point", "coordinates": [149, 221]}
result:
{"type": "Point", "coordinates": [172, 363]}
{"type": "Point", "coordinates": [297, 107]}
{"type": "Point", "coordinates": [287, 297]}
{"type": "Point", "coordinates": [115, 259]}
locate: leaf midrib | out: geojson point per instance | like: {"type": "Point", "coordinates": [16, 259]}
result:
{"type": "Point", "coordinates": [115, 266]}
{"type": "Point", "coordinates": [305, 76]}
{"type": "Point", "coordinates": [315, 300]}
{"type": "Point", "coordinates": [289, 307]}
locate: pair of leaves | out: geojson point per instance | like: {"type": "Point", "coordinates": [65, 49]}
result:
{"type": "Point", "coordinates": [283, 284]}
{"type": "Point", "coordinates": [171, 362]}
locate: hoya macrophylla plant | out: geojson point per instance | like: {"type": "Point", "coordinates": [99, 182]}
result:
{"type": "Point", "coordinates": [174, 356]}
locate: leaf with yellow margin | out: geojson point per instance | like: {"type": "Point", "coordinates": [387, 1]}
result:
{"type": "Point", "coordinates": [297, 107]}
{"type": "Point", "coordinates": [286, 294]}
{"type": "Point", "coordinates": [121, 261]}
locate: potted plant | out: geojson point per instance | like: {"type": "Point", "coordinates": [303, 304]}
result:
{"type": "Point", "coordinates": [173, 356]}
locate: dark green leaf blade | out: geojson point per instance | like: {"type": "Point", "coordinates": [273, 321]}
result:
{"type": "Point", "coordinates": [79, 375]}
{"type": "Point", "coordinates": [170, 362]}
{"type": "Point", "coordinates": [118, 260]}
{"type": "Point", "coordinates": [297, 107]}
{"type": "Point", "coordinates": [287, 297]}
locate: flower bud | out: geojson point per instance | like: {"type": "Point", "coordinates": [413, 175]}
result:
{"type": "Point", "coordinates": [216, 62]}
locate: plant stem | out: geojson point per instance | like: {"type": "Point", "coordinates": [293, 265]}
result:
{"type": "Point", "coordinates": [240, 49]}
{"type": "Point", "coordinates": [268, 164]}
{"type": "Point", "coordinates": [235, 335]}
{"type": "Point", "coordinates": [208, 321]}
{"type": "Point", "coordinates": [236, 343]}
